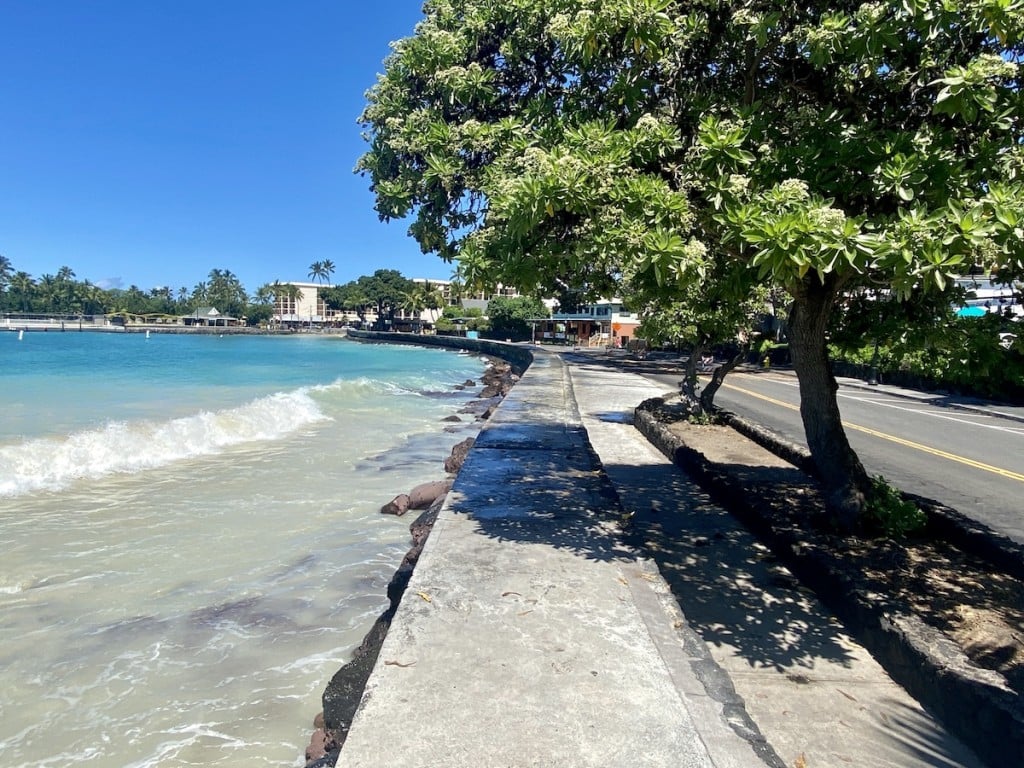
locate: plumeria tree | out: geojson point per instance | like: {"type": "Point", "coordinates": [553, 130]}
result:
{"type": "Point", "coordinates": [822, 148]}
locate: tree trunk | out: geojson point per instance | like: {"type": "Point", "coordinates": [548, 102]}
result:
{"type": "Point", "coordinates": [839, 468]}
{"type": "Point", "coordinates": [688, 385]}
{"type": "Point", "coordinates": [707, 395]}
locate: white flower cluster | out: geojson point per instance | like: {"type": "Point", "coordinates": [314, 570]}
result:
{"type": "Point", "coordinates": [794, 190]}
{"type": "Point", "coordinates": [826, 217]}
{"type": "Point", "coordinates": [450, 76]}
{"type": "Point", "coordinates": [648, 123]}
{"type": "Point", "coordinates": [804, 116]}
{"type": "Point", "coordinates": [568, 164]}
{"type": "Point", "coordinates": [727, 125]}
{"type": "Point", "coordinates": [560, 26]}
{"type": "Point", "coordinates": [695, 251]}
{"type": "Point", "coordinates": [871, 13]}
{"type": "Point", "coordinates": [994, 67]}
{"type": "Point", "coordinates": [438, 39]}
{"type": "Point", "coordinates": [738, 185]}
{"type": "Point", "coordinates": [534, 159]}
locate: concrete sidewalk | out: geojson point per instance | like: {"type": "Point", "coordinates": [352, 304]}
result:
{"type": "Point", "coordinates": [529, 634]}
{"type": "Point", "coordinates": [814, 692]}
{"type": "Point", "coordinates": [532, 635]}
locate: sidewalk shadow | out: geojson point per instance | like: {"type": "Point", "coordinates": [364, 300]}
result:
{"type": "Point", "coordinates": [529, 483]}
{"type": "Point", "coordinates": [731, 588]}
{"type": "Point", "coordinates": [541, 483]}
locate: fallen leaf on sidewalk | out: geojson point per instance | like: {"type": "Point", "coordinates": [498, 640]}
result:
{"type": "Point", "coordinates": [425, 596]}
{"type": "Point", "coordinates": [398, 664]}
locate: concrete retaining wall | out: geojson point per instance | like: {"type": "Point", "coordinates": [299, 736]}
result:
{"type": "Point", "coordinates": [516, 355]}
{"type": "Point", "coordinates": [975, 704]}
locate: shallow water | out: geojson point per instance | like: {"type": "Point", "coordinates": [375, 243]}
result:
{"type": "Point", "coordinates": [190, 535]}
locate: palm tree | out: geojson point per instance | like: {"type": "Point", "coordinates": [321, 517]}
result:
{"type": "Point", "coordinates": [433, 299]}
{"type": "Point", "coordinates": [411, 301]}
{"type": "Point", "coordinates": [264, 295]}
{"type": "Point", "coordinates": [200, 293]}
{"type": "Point", "coordinates": [417, 299]}
{"type": "Point", "coordinates": [46, 293]}
{"type": "Point", "coordinates": [327, 267]}
{"type": "Point", "coordinates": [6, 267]}
{"type": "Point", "coordinates": [276, 291]}
{"type": "Point", "coordinates": [293, 294]}
{"type": "Point", "coordinates": [92, 298]}
{"type": "Point", "coordinates": [316, 271]}
{"type": "Point", "coordinates": [22, 289]}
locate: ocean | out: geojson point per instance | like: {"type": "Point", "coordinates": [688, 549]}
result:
{"type": "Point", "coordinates": [190, 536]}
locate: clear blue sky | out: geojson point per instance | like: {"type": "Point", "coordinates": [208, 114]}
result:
{"type": "Point", "coordinates": [147, 142]}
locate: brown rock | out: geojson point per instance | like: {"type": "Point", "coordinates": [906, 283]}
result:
{"type": "Point", "coordinates": [397, 506]}
{"type": "Point", "coordinates": [317, 745]}
{"type": "Point", "coordinates": [453, 417]}
{"type": "Point", "coordinates": [454, 462]}
{"type": "Point", "coordinates": [425, 494]}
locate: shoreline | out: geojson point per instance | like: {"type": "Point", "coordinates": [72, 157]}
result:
{"type": "Point", "coordinates": [343, 693]}
{"type": "Point", "coordinates": [172, 330]}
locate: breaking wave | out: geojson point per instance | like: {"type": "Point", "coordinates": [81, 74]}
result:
{"type": "Point", "coordinates": [129, 447]}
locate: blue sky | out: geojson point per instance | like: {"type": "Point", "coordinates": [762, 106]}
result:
{"type": "Point", "coordinates": [147, 142]}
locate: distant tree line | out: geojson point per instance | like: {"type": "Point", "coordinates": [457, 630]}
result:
{"type": "Point", "coordinates": [382, 294]}
{"type": "Point", "coordinates": [63, 294]}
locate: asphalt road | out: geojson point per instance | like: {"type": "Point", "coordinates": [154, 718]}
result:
{"type": "Point", "coordinates": [971, 460]}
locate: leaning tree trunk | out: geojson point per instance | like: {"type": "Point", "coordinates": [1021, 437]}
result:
{"type": "Point", "coordinates": [839, 468]}
{"type": "Point", "coordinates": [707, 395]}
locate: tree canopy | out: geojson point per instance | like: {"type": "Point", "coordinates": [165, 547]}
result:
{"type": "Point", "coordinates": [386, 290]}
{"type": "Point", "coordinates": [823, 148]}
{"type": "Point", "coordinates": [509, 316]}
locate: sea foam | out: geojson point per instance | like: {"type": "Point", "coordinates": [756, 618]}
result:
{"type": "Point", "coordinates": [128, 447]}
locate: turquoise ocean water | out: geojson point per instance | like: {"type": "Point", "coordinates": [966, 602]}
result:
{"type": "Point", "coordinates": [190, 537]}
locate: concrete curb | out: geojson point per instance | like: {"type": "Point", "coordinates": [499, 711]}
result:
{"type": "Point", "coordinates": [976, 704]}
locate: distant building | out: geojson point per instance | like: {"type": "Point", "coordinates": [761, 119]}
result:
{"type": "Point", "coordinates": [481, 299]}
{"type": "Point", "coordinates": [450, 297]}
{"type": "Point", "coordinates": [984, 293]}
{"type": "Point", "coordinates": [604, 323]}
{"type": "Point", "coordinates": [209, 317]}
{"type": "Point", "coordinates": [307, 307]}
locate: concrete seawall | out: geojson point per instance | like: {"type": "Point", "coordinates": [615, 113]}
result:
{"type": "Point", "coordinates": [519, 357]}
{"type": "Point", "coordinates": [530, 633]}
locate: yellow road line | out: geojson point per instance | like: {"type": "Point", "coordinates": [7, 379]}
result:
{"type": "Point", "coordinates": [898, 440]}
